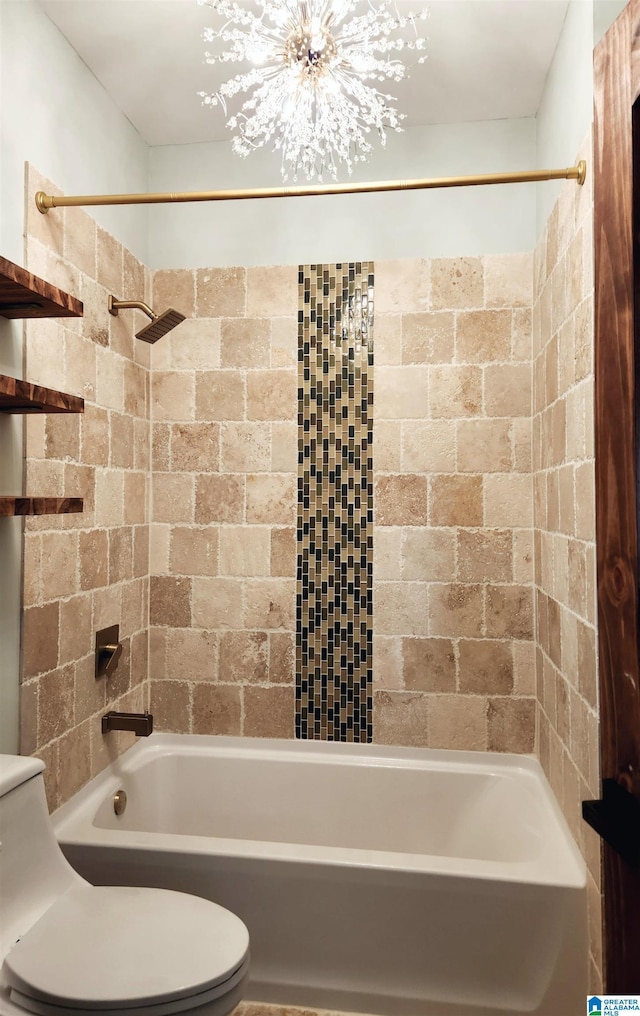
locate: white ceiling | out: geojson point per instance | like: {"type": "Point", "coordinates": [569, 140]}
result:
{"type": "Point", "coordinates": [487, 60]}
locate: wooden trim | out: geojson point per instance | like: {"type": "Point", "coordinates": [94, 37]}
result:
{"type": "Point", "coordinates": [24, 397]}
{"type": "Point", "coordinates": [11, 506]}
{"type": "Point", "coordinates": [23, 295]}
{"type": "Point", "coordinates": [617, 85]}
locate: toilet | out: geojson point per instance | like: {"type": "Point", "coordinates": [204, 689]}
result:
{"type": "Point", "coordinates": [68, 948]}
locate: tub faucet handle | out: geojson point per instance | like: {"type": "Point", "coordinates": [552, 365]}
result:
{"type": "Point", "coordinates": [108, 650]}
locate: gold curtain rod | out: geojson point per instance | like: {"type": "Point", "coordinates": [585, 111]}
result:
{"type": "Point", "coordinates": [46, 201]}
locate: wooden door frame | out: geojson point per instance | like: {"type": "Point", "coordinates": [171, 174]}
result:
{"type": "Point", "coordinates": [617, 351]}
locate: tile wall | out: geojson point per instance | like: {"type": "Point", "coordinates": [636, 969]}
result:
{"type": "Point", "coordinates": [334, 601]}
{"type": "Point", "coordinates": [86, 571]}
{"type": "Point", "coordinates": [564, 524]}
{"type": "Point", "coordinates": [453, 556]}
{"type": "Point", "coordinates": [223, 539]}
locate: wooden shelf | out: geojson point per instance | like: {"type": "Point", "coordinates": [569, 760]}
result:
{"type": "Point", "coordinates": [10, 506]}
{"type": "Point", "coordinates": [23, 295]}
{"type": "Point", "coordinates": [24, 397]}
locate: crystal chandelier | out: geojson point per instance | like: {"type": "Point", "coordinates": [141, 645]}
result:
{"type": "Point", "coordinates": [307, 90]}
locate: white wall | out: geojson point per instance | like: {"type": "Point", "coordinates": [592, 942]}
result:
{"type": "Point", "coordinates": [57, 116]}
{"type": "Point", "coordinates": [566, 110]}
{"type": "Point", "coordinates": [487, 220]}
{"type": "Point", "coordinates": [565, 113]}
{"type": "Point", "coordinates": [605, 13]}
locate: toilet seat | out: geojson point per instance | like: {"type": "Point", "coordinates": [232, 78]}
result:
{"type": "Point", "coordinates": [120, 951]}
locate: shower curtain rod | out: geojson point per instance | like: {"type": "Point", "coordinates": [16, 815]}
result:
{"type": "Point", "coordinates": [46, 201]}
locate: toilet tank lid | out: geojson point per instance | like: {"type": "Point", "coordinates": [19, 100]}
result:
{"type": "Point", "coordinates": [17, 769]}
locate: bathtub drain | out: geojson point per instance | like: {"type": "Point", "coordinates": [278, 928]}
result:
{"type": "Point", "coordinates": [119, 802]}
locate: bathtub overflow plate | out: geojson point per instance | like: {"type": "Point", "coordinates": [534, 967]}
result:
{"type": "Point", "coordinates": [119, 802]}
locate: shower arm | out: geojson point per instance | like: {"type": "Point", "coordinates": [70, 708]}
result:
{"type": "Point", "coordinates": [116, 305]}
{"type": "Point", "coordinates": [46, 201]}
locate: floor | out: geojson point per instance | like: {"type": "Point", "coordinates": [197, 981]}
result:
{"type": "Point", "coordinates": [262, 1009]}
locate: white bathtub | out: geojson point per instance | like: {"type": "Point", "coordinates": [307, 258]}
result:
{"type": "Point", "coordinates": [396, 881]}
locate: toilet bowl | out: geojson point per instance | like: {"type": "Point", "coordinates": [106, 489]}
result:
{"type": "Point", "coordinates": [68, 948]}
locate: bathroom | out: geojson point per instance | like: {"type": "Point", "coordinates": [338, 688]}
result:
{"type": "Point", "coordinates": [186, 454]}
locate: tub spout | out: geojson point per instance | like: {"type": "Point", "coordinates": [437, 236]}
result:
{"type": "Point", "coordinates": [141, 724]}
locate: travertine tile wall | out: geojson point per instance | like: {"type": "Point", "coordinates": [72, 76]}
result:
{"type": "Point", "coordinates": [453, 608]}
{"type": "Point", "coordinates": [453, 565]}
{"type": "Point", "coordinates": [83, 572]}
{"type": "Point", "coordinates": [223, 559]}
{"type": "Point", "coordinates": [564, 521]}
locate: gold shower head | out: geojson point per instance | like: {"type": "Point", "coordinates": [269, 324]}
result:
{"type": "Point", "coordinates": [160, 323]}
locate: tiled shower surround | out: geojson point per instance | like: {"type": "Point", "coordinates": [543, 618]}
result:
{"type": "Point", "coordinates": [564, 525]}
{"type": "Point", "coordinates": [452, 616]}
{"type": "Point", "coordinates": [453, 619]}
{"type": "Point", "coordinates": [452, 590]}
{"type": "Point", "coordinates": [87, 571]}
{"type": "Point", "coordinates": [334, 603]}
{"type": "Point", "coordinates": [223, 541]}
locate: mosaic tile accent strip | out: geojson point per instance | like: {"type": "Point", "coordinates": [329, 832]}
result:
{"type": "Point", "coordinates": [334, 605]}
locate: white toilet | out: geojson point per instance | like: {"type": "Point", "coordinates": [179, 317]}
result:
{"type": "Point", "coordinates": [68, 948]}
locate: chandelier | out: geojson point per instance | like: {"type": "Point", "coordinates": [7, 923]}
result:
{"type": "Point", "coordinates": [307, 90]}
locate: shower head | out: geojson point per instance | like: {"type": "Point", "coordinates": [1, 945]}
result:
{"type": "Point", "coordinates": [160, 323]}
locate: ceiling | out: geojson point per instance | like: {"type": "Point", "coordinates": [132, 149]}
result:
{"type": "Point", "coordinates": [487, 60]}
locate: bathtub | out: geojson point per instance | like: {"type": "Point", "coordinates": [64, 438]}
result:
{"type": "Point", "coordinates": [403, 882]}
